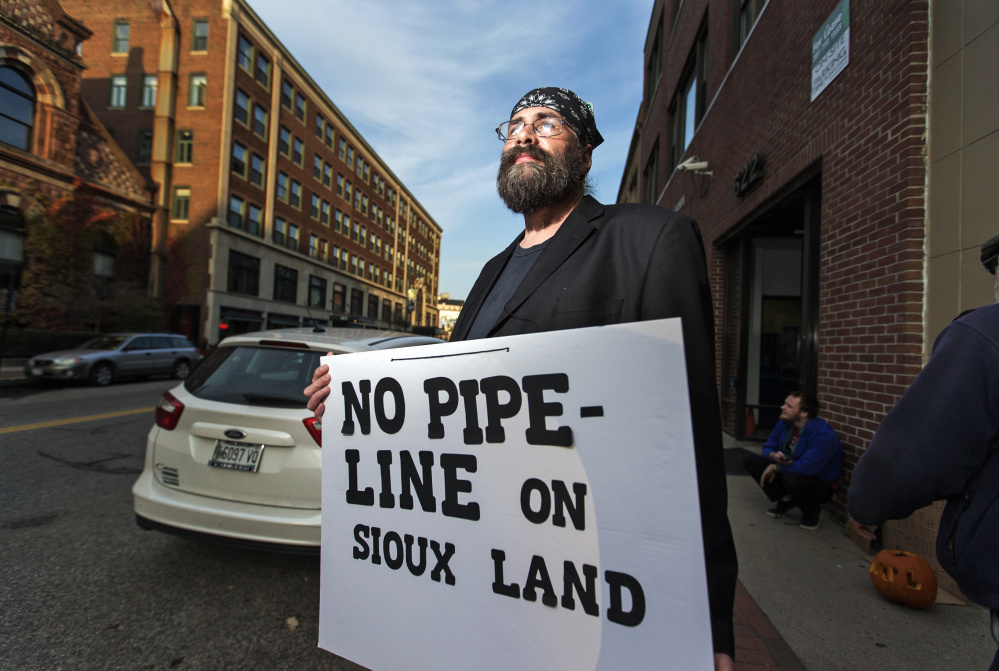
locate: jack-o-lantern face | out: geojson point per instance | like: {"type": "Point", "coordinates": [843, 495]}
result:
{"type": "Point", "coordinates": [903, 577]}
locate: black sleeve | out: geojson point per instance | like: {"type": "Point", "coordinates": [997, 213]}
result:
{"type": "Point", "coordinates": [677, 286]}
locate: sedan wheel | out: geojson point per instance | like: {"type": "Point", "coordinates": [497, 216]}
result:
{"type": "Point", "coordinates": [181, 369]}
{"type": "Point", "coordinates": [102, 374]}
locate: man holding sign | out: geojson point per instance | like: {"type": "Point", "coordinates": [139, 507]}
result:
{"type": "Point", "coordinates": [580, 263]}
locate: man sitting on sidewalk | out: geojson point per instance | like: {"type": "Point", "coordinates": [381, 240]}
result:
{"type": "Point", "coordinates": [801, 460]}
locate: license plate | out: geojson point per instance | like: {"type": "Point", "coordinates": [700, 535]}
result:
{"type": "Point", "coordinates": [236, 456]}
{"type": "Point", "coordinates": [36, 371]}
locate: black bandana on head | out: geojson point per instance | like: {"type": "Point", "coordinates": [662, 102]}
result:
{"type": "Point", "coordinates": [577, 113]}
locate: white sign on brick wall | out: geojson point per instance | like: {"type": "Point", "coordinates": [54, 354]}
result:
{"type": "Point", "coordinates": [831, 48]}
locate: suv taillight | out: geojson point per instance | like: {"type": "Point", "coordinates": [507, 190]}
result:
{"type": "Point", "coordinates": [168, 411]}
{"type": "Point", "coordinates": [315, 429]}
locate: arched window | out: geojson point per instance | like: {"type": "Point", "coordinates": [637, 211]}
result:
{"type": "Point", "coordinates": [17, 108]}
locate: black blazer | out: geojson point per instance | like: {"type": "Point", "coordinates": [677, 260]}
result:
{"type": "Point", "coordinates": [626, 263]}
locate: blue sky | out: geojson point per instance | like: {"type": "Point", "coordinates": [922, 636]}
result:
{"type": "Point", "coordinates": [427, 82]}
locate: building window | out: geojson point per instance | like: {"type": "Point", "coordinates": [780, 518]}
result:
{"type": "Point", "coordinates": [254, 220]}
{"type": "Point", "coordinates": [144, 148]}
{"type": "Point", "coordinates": [237, 211]}
{"type": "Point", "coordinates": [317, 167]}
{"type": "Point", "coordinates": [242, 112]}
{"type": "Point", "coordinates": [119, 39]}
{"type": "Point", "coordinates": [285, 284]}
{"type": "Point", "coordinates": [748, 12]}
{"type": "Point", "coordinates": [282, 186]}
{"type": "Point", "coordinates": [284, 141]}
{"type": "Point", "coordinates": [652, 175]}
{"type": "Point", "coordinates": [244, 54]}
{"type": "Point", "coordinates": [313, 245]}
{"type": "Point", "coordinates": [286, 93]}
{"type": "Point", "coordinates": [296, 194]}
{"type": "Point", "coordinates": [689, 103]}
{"type": "Point", "coordinates": [258, 166]}
{"type": "Point", "coordinates": [263, 71]}
{"type": "Point", "coordinates": [239, 159]}
{"type": "Point", "coordinates": [339, 185]}
{"type": "Point", "coordinates": [653, 68]}
{"type": "Point", "coordinates": [260, 121]}
{"type": "Point", "coordinates": [17, 108]}
{"type": "Point", "coordinates": [329, 136]}
{"type": "Point", "coordinates": [196, 91]}
{"type": "Point", "coordinates": [181, 203]}
{"type": "Point", "coordinates": [327, 175]}
{"type": "Point", "coordinates": [320, 124]}
{"type": "Point", "coordinates": [185, 146]}
{"type": "Point", "coordinates": [341, 149]}
{"type": "Point", "coordinates": [339, 299]}
{"type": "Point", "coordinates": [149, 86]}
{"type": "Point", "coordinates": [199, 35]}
{"type": "Point", "coordinates": [280, 231]}
{"type": "Point", "coordinates": [297, 154]}
{"type": "Point", "coordinates": [118, 91]}
{"type": "Point", "coordinates": [292, 241]}
{"type": "Point", "coordinates": [373, 306]}
{"type": "Point", "coordinates": [350, 157]}
{"type": "Point", "coordinates": [356, 301]}
{"type": "Point", "coordinates": [244, 274]}
{"type": "Point", "coordinates": [300, 107]}
{"type": "Point", "coordinates": [315, 206]}
{"type": "Point", "coordinates": [324, 214]}
{"type": "Point", "coordinates": [317, 292]}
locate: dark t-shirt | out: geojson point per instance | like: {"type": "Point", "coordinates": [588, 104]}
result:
{"type": "Point", "coordinates": [513, 274]}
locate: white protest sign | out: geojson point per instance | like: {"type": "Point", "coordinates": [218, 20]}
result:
{"type": "Point", "coordinates": [527, 502]}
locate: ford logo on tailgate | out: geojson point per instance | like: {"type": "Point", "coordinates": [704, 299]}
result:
{"type": "Point", "coordinates": [234, 434]}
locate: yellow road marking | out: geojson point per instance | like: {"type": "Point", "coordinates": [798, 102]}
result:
{"type": "Point", "coordinates": [74, 420]}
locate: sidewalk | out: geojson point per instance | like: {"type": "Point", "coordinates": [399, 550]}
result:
{"type": "Point", "coordinates": [805, 601]}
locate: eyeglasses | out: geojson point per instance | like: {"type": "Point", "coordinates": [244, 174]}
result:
{"type": "Point", "coordinates": [990, 264]}
{"type": "Point", "coordinates": [547, 127]}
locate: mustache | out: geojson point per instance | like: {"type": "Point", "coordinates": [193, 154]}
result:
{"type": "Point", "coordinates": [533, 151]}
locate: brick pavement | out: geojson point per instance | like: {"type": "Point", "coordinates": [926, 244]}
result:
{"type": "Point", "coordinates": [758, 645]}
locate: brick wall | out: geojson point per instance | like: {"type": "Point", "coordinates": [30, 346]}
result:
{"type": "Point", "coordinates": [866, 134]}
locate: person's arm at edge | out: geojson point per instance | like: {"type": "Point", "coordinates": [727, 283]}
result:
{"type": "Point", "coordinates": [937, 435]}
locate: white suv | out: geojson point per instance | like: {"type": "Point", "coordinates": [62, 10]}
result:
{"type": "Point", "coordinates": [235, 455]}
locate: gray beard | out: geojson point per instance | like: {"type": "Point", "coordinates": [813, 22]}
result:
{"type": "Point", "coordinates": [529, 187]}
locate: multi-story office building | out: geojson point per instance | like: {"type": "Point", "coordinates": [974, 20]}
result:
{"type": "Point", "coordinates": [839, 157]}
{"type": "Point", "coordinates": [272, 209]}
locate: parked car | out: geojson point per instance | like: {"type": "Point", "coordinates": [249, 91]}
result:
{"type": "Point", "coordinates": [109, 357]}
{"type": "Point", "coordinates": [235, 455]}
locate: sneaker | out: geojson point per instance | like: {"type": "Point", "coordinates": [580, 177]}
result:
{"type": "Point", "coordinates": [781, 509]}
{"type": "Point", "coordinates": [810, 522]}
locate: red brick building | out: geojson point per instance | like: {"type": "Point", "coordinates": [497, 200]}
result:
{"type": "Point", "coordinates": [272, 209]}
{"type": "Point", "coordinates": [834, 156]}
{"type": "Point", "coordinates": [52, 147]}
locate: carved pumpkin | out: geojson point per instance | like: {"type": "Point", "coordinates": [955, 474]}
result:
{"type": "Point", "coordinates": [904, 577]}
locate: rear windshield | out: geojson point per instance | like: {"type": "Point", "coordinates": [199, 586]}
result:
{"type": "Point", "coordinates": [248, 375]}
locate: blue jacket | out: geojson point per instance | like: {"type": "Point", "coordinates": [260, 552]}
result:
{"type": "Point", "coordinates": [941, 441]}
{"type": "Point", "coordinates": [817, 453]}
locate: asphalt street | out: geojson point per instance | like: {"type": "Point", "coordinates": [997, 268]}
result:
{"type": "Point", "coordinates": [83, 587]}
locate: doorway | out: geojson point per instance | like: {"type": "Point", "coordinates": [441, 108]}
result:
{"type": "Point", "coordinates": [770, 311]}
